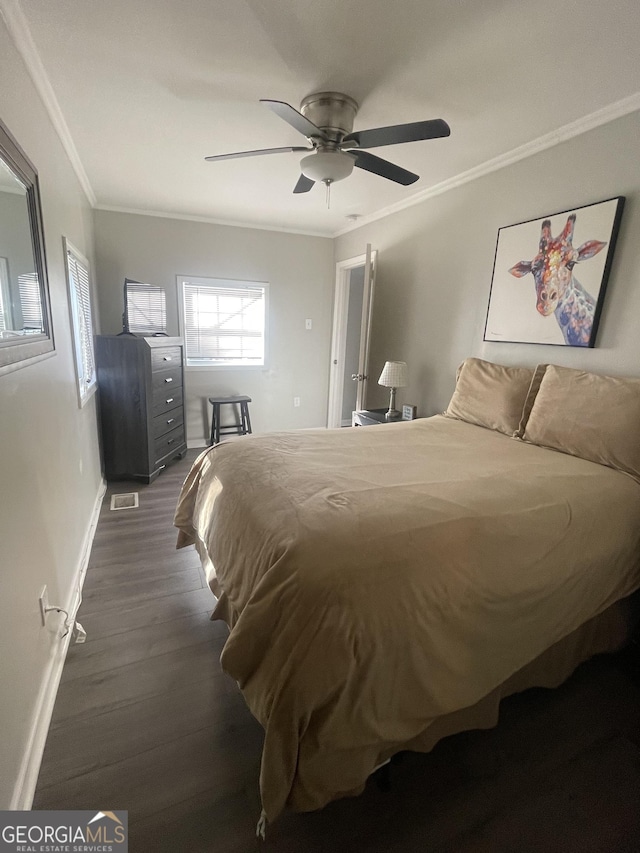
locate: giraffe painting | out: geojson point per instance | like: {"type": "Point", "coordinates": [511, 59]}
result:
{"type": "Point", "coordinates": [558, 291]}
{"type": "Point", "coordinates": [570, 280]}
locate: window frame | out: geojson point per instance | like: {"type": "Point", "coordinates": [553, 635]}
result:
{"type": "Point", "coordinates": [85, 390]}
{"type": "Point", "coordinates": [227, 284]}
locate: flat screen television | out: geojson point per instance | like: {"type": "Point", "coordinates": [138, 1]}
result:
{"type": "Point", "coordinates": [145, 309]}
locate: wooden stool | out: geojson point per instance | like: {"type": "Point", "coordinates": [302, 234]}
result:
{"type": "Point", "coordinates": [241, 427]}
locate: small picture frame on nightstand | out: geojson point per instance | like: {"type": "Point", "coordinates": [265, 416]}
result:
{"type": "Point", "coordinates": [409, 413]}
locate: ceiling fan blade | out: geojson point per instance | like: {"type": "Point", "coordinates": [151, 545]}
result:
{"type": "Point", "coordinates": [237, 154]}
{"type": "Point", "coordinates": [413, 132]}
{"type": "Point", "coordinates": [384, 168]}
{"type": "Point", "coordinates": [304, 184]}
{"type": "Point", "coordinates": [294, 118]}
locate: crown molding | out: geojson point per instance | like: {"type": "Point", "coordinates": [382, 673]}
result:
{"type": "Point", "coordinates": [596, 119]}
{"type": "Point", "coordinates": [207, 220]}
{"type": "Point", "coordinates": [19, 31]}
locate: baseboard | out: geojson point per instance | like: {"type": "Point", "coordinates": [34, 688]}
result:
{"type": "Point", "coordinates": [25, 786]}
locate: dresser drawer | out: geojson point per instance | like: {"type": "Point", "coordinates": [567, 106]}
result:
{"type": "Point", "coordinates": [166, 380]}
{"type": "Point", "coordinates": [171, 441]}
{"type": "Point", "coordinates": [164, 357]}
{"type": "Point", "coordinates": [167, 421]}
{"type": "Point", "coordinates": [165, 399]}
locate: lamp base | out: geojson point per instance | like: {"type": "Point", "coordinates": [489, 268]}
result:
{"type": "Point", "coordinates": [393, 413]}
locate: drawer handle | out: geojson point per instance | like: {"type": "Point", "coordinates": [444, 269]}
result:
{"type": "Point", "coordinates": [170, 379]}
{"type": "Point", "coordinates": [171, 440]}
{"type": "Point", "coordinates": [167, 358]}
{"type": "Point", "coordinates": [169, 400]}
{"type": "Point", "coordinates": [171, 420]}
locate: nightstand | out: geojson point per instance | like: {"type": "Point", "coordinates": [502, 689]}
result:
{"type": "Point", "coordinates": [371, 417]}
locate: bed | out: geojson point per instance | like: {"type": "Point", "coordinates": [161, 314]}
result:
{"type": "Point", "coordinates": [385, 587]}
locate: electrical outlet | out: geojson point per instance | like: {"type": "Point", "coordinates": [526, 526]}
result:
{"type": "Point", "coordinates": [296, 402]}
{"type": "Point", "coordinates": [44, 604]}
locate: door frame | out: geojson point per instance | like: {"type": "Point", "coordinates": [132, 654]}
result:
{"type": "Point", "coordinates": [339, 331]}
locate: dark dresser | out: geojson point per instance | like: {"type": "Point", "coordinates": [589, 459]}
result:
{"type": "Point", "coordinates": [140, 382]}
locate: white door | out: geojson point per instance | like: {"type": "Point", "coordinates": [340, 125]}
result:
{"type": "Point", "coordinates": [351, 332]}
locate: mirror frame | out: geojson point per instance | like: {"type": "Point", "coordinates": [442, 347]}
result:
{"type": "Point", "coordinates": [16, 353]}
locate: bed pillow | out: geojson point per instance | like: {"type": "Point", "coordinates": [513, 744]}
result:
{"type": "Point", "coordinates": [532, 393]}
{"type": "Point", "coordinates": [492, 395]}
{"type": "Point", "coordinates": [590, 416]}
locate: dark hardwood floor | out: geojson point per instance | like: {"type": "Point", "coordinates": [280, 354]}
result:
{"type": "Point", "coordinates": [146, 721]}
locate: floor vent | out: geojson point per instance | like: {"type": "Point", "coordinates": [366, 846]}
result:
{"type": "Point", "coordinates": [128, 500]}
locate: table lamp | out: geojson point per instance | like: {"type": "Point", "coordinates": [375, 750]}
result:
{"type": "Point", "coordinates": [394, 375]}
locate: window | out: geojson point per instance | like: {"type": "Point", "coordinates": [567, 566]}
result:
{"type": "Point", "coordinates": [5, 299]}
{"type": "Point", "coordinates": [224, 321]}
{"type": "Point", "coordinates": [30, 302]}
{"type": "Point", "coordinates": [81, 321]}
{"type": "Point", "coordinates": [146, 308]}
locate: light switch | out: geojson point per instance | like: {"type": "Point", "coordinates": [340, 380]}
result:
{"type": "Point", "coordinates": [308, 324]}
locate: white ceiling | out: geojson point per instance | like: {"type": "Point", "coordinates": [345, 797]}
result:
{"type": "Point", "coordinates": [148, 88]}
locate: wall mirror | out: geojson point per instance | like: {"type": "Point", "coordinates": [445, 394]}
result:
{"type": "Point", "coordinates": [25, 313]}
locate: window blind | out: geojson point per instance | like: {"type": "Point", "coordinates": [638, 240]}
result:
{"type": "Point", "coordinates": [224, 324]}
{"type": "Point", "coordinates": [3, 322]}
{"type": "Point", "coordinates": [6, 320]}
{"type": "Point", "coordinates": [30, 302]}
{"type": "Point", "coordinates": [83, 326]}
{"type": "Point", "coordinates": [146, 308]}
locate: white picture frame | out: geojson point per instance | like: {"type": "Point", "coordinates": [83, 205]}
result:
{"type": "Point", "coordinates": [409, 413]}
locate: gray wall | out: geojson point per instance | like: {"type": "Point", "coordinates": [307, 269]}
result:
{"type": "Point", "coordinates": [49, 460]}
{"type": "Point", "coordinates": [300, 273]}
{"type": "Point", "coordinates": [435, 263]}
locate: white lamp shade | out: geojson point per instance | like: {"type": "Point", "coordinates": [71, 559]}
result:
{"type": "Point", "coordinates": [394, 374]}
{"type": "Point", "coordinates": [327, 166]}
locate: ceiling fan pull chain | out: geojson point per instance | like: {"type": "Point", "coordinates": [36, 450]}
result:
{"type": "Point", "coordinates": [329, 195]}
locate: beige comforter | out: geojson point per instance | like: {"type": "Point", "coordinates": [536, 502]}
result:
{"type": "Point", "coordinates": [375, 579]}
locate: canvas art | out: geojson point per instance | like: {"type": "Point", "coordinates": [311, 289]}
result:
{"type": "Point", "coordinates": [550, 276]}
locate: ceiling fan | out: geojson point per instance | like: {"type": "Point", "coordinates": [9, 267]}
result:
{"type": "Point", "coordinates": [326, 119]}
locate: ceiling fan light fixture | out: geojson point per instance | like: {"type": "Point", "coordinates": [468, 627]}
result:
{"type": "Point", "coordinates": [327, 166]}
